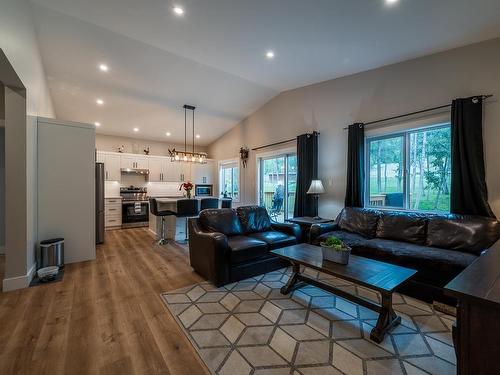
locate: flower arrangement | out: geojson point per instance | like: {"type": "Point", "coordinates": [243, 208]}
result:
{"type": "Point", "coordinates": [187, 186]}
{"type": "Point", "coordinates": [335, 250]}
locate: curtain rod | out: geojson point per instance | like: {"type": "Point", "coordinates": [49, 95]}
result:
{"type": "Point", "coordinates": [415, 113]}
{"type": "Point", "coordinates": [279, 143]}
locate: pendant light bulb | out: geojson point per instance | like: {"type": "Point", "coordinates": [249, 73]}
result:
{"type": "Point", "coordinates": [185, 158]}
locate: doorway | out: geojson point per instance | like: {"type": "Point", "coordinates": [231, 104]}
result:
{"type": "Point", "coordinates": [277, 185]}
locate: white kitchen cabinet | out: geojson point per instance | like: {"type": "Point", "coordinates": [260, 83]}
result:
{"type": "Point", "coordinates": [155, 169]}
{"type": "Point", "coordinates": [100, 157]}
{"type": "Point", "coordinates": [134, 162]}
{"type": "Point", "coordinates": [203, 173]}
{"type": "Point", "coordinates": [112, 171]}
{"type": "Point", "coordinates": [112, 213]}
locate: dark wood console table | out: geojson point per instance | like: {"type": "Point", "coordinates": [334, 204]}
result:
{"type": "Point", "coordinates": [477, 330]}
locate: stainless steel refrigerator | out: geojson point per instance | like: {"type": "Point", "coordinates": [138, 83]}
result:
{"type": "Point", "coordinates": [99, 203]}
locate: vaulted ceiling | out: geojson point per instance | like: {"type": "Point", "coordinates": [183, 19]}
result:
{"type": "Point", "coordinates": [213, 56]}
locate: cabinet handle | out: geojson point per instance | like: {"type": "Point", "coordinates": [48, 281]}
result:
{"type": "Point", "coordinates": [106, 175]}
{"type": "Point", "coordinates": [112, 209]}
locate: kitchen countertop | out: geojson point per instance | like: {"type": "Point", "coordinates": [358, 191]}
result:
{"type": "Point", "coordinates": [113, 197]}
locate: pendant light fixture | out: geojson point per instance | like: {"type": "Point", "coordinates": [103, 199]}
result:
{"type": "Point", "coordinates": [188, 156]}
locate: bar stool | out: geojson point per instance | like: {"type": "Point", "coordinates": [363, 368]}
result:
{"type": "Point", "coordinates": [209, 203]}
{"type": "Point", "coordinates": [227, 203]}
{"type": "Point", "coordinates": [153, 207]}
{"type": "Point", "coordinates": [187, 208]}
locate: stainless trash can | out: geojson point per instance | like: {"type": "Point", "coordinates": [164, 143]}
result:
{"type": "Point", "coordinates": [50, 253]}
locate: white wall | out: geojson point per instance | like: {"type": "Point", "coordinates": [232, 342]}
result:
{"type": "Point", "coordinates": [392, 90]}
{"type": "Point", "coordinates": [2, 186]}
{"type": "Point", "coordinates": [19, 44]}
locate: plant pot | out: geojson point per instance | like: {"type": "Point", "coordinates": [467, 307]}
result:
{"type": "Point", "coordinates": [337, 256]}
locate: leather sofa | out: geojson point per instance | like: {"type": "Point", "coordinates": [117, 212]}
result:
{"type": "Point", "coordinates": [439, 247]}
{"type": "Point", "coordinates": [227, 245]}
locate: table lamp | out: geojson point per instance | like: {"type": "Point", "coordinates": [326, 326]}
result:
{"type": "Point", "coordinates": [315, 190]}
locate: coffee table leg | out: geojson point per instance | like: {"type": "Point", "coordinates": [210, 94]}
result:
{"type": "Point", "coordinates": [292, 280]}
{"type": "Point", "coordinates": [387, 319]}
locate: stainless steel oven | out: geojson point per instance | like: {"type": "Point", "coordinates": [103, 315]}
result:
{"type": "Point", "coordinates": [203, 190]}
{"type": "Point", "coordinates": [135, 207]}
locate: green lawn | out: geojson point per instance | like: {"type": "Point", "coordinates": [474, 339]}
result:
{"type": "Point", "coordinates": [427, 201]}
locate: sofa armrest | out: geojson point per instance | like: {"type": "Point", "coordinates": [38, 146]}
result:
{"type": "Point", "coordinates": [494, 247]}
{"type": "Point", "coordinates": [289, 228]}
{"type": "Point", "coordinates": [208, 253]}
{"type": "Point", "coordinates": [319, 229]}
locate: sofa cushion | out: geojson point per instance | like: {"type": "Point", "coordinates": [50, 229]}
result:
{"type": "Point", "coordinates": [224, 220]}
{"type": "Point", "coordinates": [359, 220]}
{"type": "Point", "coordinates": [254, 219]}
{"type": "Point", "coordinates": [402, 226]}
{"type": "Point", "coordinates": [275, 239]}
{"type": "Point", "coordinates": [434, 265]}
{"type": "Point", "coordinates": [350, 239]}
{"type": "Point", "coordinates": [244, 248]}
{"type": "Point", "coordinates": [471, 234]}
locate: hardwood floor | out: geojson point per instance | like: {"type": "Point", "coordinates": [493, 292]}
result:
{"type": "Point", "coordinates": [105, 317]}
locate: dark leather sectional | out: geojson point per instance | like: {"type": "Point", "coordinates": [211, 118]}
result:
{"type": "Point", "coordinates": [227, 245]}
{"type": "Point", "coordinates": [439, 247]}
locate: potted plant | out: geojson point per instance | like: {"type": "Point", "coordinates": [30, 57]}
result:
{"type": "Point", "coordinates": [335, 250]}
{"type": "Point", "coordinates": [187, 186]}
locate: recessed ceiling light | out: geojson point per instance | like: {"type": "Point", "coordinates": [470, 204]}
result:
{"type": "Point", "coordinates": [99, 101]}
{"type": "Point", "coordinates": [168, 134]}
{"type": "Point", "coordinates": [103, 67]}
{"type": "Point", "coordinates": [197, 136]}
{"type": "Point", "coordinates": [136, 129]}
{"type": "Point", "coordinates": [391, 2]}
{"type": "Point", "coordinates": [178, 10]}
{"type": "Point", "coordinates": [97, 123]}
{"type": "Point", "coordinates": [270, 55]}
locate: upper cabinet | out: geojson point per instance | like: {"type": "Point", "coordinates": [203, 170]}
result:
{"type": "Point", "coordinates": [134, 162]}
{"type": "Point", "coordinates": [203, 173]}
{"type": "Point", "coordinates": [112, 165]}
{"type": "Point", "coordinates": [161, 168]}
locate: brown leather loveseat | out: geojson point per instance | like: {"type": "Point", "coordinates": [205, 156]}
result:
{"type": "Point", "coordinates": [227, 245]}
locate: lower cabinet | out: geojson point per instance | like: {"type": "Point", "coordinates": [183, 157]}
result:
{"type": "Point", "coordinates": [112, 213]}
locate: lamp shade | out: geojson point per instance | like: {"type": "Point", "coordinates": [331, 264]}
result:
{"type": "Point", "coordinates": [316, 187]}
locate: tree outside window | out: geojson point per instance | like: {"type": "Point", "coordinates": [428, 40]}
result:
{"type": "Point", "coordinates": [410, 170]}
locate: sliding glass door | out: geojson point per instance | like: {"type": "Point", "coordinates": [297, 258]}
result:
{"type": "Point", "coordinates": [278, 181]}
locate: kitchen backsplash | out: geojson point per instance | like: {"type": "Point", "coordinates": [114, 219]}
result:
{"type": "Point", "coordinates": [155, 189]}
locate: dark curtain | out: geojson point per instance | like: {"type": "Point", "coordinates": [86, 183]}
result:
{"type": "Point", "coordinates": [354, 195]}
{"type": "Point", "coordinates": [469, 195]}
{"type": "Point", "coordinates": [307, 170]}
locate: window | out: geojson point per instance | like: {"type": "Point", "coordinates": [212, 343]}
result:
{"type": "Point", "coordinates": [229, 181]}
{"type": "Point", "coordinates": [410, 170]}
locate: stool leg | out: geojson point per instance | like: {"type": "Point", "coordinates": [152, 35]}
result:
{"type": "Point", "coordinates": [186, 230]}
{"type": "Point", "coordinates": [163, 240]}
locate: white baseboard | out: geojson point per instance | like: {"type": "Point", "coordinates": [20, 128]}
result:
{"type": "Point", "coordinates": [2, 250]}
{"type": "Point", "coordinates": [19, 282]}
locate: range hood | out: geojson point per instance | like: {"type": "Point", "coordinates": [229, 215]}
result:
{"type": "Point", "coordinates": [143, 172]}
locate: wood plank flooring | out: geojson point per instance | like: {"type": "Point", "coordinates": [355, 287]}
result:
{"type": "Point", "coordinates": [105, 317]}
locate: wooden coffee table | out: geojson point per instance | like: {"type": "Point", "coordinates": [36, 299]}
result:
{"type": "Point", "coordinates": [379, 276]}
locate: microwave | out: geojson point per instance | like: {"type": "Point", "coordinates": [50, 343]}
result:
{"type": "Point", "coordinates": [203, 190]}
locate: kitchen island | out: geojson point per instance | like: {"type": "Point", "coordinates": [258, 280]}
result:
{"type": "Point", "coordinates": [175, 228]}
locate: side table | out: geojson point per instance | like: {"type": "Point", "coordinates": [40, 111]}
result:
{"type": "Point", "coordinates": [305, 223]}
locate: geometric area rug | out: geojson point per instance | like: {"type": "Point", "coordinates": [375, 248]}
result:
{"type": "Point", "coordinates": [250, 328]}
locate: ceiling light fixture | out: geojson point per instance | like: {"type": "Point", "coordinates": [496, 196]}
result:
{"type": "Point", "coordinates": [136, 129]}
{"type": "Point", "coordinates": [270, 55]}
{"type": "Point", "coordinates": [97, 123]}
{"type": "Point", "coordinates": [168, 134]}
{"type": "Point", "coordinates": [188, 156]}
{"type": "Point", "coordinates": [391, 2]}
{"type": "Point", "coordinates": [103, 67]}
{"type": "Point", "coordinates": [99, 101]}
{"type": "Point", "coordinates": [178, 10]}
{"type": "Point", "coordinates": [197, 136]}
